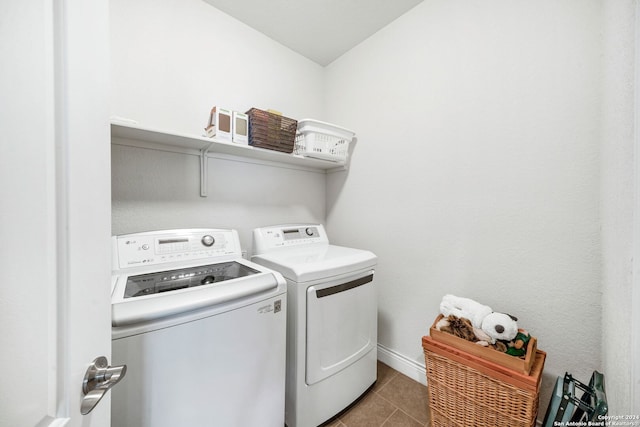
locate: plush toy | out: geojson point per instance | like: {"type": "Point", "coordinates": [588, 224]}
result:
{"type": "Point", "coordinates": [518, 347]}
{"type": "Point", "coordinates": [457, 326]}
{"type": "Point", "coordinates": [464, 307]}
{"type": "Point", "coordinates": [488, 326]}
{"type": "Point", "coordinates": [500, 326]}
{"type": "Point", "coordinates": [462, 328]}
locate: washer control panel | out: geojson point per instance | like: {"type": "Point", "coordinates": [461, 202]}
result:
{"type": "Point", "coordinates": [300, 233]}
{"type": "Point", "coordinates": [140, 249]}
{"type": "Point", "coordinates": [283, 236]}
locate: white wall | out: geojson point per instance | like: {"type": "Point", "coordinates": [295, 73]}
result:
{"type": "Point", "coordinates": [477, 170]}
{"type": "Point", "coordinates": [617, 202]}
{"type": "Point", "coordinates": [172, 60]}
{"type": "Point", "coordinates": [159, 190]}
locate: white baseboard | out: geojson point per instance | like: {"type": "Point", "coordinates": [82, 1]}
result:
{"type": "Point", "coordinates": [414, 370]}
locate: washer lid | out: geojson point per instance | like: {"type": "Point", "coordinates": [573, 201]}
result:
{"type": "Point", "coordinates": [305, 264]}
{"type": "Point", "coordinates": [153, 295]}
{"type": "Point", "coordinates": [167, 281]}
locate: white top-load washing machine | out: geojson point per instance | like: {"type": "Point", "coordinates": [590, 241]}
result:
{"type": "Point", "coordinates": [201, 330]}
{"type": "Point", "coordinates": [331, 319]}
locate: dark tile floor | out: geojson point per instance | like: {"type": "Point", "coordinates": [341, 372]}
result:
{"type": "Point", "coordinates": [394, 401]}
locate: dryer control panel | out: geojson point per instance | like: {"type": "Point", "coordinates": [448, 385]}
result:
{"type": "Point", "coordinates": [286, 236]}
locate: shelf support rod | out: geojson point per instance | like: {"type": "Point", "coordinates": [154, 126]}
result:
{"type": "Point", "coordinates": [204, 170]}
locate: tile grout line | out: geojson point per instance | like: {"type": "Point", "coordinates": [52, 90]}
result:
{"type": "Point", "coordinates": [391, 415]}
{"type": "Point", "coordinates": [414, 418]}
{"type": "Point", "coordinates": [399, 409]}
{"type": "Point", "coordinates": [397, 374]}
{"type": "Point", "coordinates": [393, 376]}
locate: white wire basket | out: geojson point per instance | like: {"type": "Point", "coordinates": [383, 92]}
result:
{"type": "Point", "coordinates": [322, 140]}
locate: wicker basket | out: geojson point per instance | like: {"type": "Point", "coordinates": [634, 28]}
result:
{"type": "Point", "coordinates": [465, 390]}
{"type": "Point", "coordinates": [271, 131]}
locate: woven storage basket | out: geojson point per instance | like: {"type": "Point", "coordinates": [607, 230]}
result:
{"type": "Point", "coordinates": [465, 390]}
{"type": "Point", "coordinates": [271, 131]}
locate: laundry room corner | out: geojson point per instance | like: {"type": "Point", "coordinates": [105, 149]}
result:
{"type": "Point", "coordinates": [477, 171]}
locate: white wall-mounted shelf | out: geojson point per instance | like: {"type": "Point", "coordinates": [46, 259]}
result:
{"type": "Point", "coordinates": [138, 136]}
{"type": "Point", "coordinates": [133, 135]}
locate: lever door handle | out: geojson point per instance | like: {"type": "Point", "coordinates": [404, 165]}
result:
{"type": "Point", "coordinates": [100, 377]}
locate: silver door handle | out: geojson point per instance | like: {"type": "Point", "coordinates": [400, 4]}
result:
{"type": "Point", "coordinates": [100, 377]}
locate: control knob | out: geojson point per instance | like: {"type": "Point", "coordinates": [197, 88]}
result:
{"type": "Point", "coordinates": [309, 231]}
{"type": "Point", "coordinates": [208, 280]}
{"type": "Point", "coordinates": [208, 240]}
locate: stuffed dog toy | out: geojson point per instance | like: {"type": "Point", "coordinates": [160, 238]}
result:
{"type": "Point", "coordinates": [488, 325]}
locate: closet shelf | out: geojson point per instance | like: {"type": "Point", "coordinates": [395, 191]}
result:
{"type": "Point", "coordinates": [138, 136]}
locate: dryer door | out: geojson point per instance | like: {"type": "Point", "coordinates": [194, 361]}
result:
{"type": "Point", "coordinates": [341, 324]}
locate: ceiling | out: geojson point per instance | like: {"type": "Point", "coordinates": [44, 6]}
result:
{"type": "Point", "coordinates": [321, 30]}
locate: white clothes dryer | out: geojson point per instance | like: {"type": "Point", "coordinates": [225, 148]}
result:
{"type": "Point", "coordinates": [331, 319]}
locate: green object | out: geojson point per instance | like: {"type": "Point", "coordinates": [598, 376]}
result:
{"type": "Point", "coordinates": [513, 351]}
